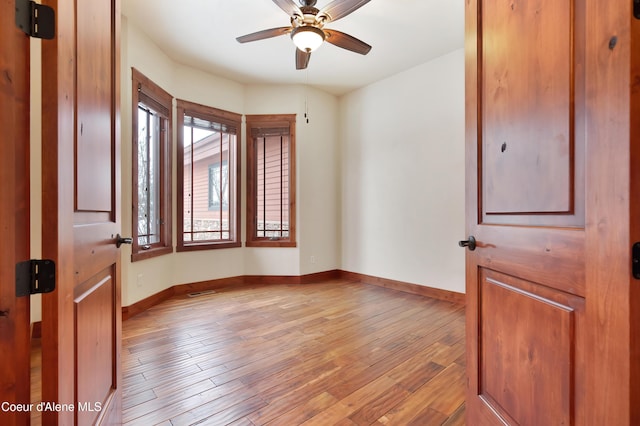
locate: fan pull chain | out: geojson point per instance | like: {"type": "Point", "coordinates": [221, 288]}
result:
{"type": "Point", "coordinates": [306, 97]}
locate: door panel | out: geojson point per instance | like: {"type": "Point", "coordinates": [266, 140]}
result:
{"type": "Point", "coordinates": [530, 94]}
{"type": "Point", "coordinates": [94, 91]}
{"type": "Point", "coordinates": [526, 283]}
{"type": "Point", "coordinates": [96, 367]}
{"type": "Point", "coordinates": [82, 321]}
{"type": "Point", "coordinates": [526, 84]}
{"type": "Point", "coordinates": [527, 334]}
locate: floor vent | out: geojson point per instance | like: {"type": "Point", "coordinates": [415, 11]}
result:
{"type": "Point", "coordinates": [200, 293]}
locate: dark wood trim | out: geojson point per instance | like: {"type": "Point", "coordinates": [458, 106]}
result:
{"type": "Point", "coordinates": [271, 279]}
{"type": "Point", "coordinates": [210, 113]}
{"type": "Point", "coordinates": [292, 279]}
{"type": "Point", "coordinates": [276, 243]}
{"type": "Point", "coordinates": [335, 274]}
{"type": "Point", "coordinates": [209, 245]}
{"type": "Point", "coordinates": [152, 252]}
{"type": "Point", "coordinates": [182, 289]}
{"type": "Point", "coordinates": [434, 293]}
{"type": "Point", "coordinates": [144, 304]}
{"type": "Point", "coordinates": [246, 280]}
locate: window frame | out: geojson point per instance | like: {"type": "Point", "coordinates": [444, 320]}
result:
{"type": "Point", "coordinates": [269, 121]}
{"type": "Point", "coordinates": [153, 94]}
{"type": "Point", "coordinates": [225, 118]}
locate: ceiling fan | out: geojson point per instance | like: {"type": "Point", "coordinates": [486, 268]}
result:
{"type": "Point", "coordinates": [307, 28]}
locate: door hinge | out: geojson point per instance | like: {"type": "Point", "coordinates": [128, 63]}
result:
{"type": "Point", "coordinates": [36, 20]}
{"type": "Point", "coordinates": [35, 277]}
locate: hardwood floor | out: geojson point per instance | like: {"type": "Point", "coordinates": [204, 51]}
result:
{"type": "Point", "coordinates": [331, 353]}
{"type": "Point", "coordinates": [36, 379]}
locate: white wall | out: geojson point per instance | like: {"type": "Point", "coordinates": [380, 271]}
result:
{"type": "Point", "coordinates": [319, 177]}
{"type": "Point", "coordinates": [403, 176]}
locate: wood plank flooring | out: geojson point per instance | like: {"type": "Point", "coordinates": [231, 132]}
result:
{"type": "Point", "coordinates": [331, 353]}
{"type": "Point", "coordinates": [36, 379]}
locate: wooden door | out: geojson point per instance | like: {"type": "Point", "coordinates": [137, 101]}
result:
{"type": "Point", "coordinates": [14, 214]}
{"type": "Point", "coordinates": [549, 285]}
{"type": "Point", "coordinates": [81, 216]}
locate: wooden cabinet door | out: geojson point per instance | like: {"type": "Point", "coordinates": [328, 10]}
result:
{"type": "Point", "coordinates": [548, 157]}
{"type": "Point", "coordinates": [81, 215]}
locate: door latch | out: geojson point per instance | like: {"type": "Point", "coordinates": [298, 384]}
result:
{"type": "Point", "coordinates": [35, 277]}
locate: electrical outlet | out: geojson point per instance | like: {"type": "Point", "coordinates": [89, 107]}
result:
{"type": "Point", "coordinates": [140, 281]}
{"type": "Point", "coordinates": [312, 259]}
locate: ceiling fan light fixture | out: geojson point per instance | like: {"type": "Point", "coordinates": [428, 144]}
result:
{"type": "Point", "coordinates": [307, 38]}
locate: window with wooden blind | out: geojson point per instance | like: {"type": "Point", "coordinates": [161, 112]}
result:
{"type": "Point", "coordinates": [271, 195]}
{"type": "Point", "coordinates": [151, 154]}
{"type": "Point", "coordinates": [208, 177]}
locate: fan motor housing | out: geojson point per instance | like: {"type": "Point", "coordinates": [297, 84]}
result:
{"type": "Point", "coordinates": [309, 10]}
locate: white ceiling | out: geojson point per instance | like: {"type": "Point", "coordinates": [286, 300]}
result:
{"type": "Point", "coordinates": [202, 34]}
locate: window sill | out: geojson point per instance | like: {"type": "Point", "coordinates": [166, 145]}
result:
{"type": "Point", "coordinates": [208, 246]}
{"type": "Point", "coordinates": [268, 243]}
{"type": "Point", "coordinates": [152, 252]}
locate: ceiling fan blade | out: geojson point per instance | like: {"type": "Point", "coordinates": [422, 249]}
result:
{"type": "Point", "coordinates": [302, 59]}
{"type": "Point", "coordinates": [346, 41]}
{"type": "Point", "coordinates": [260, 35]}
{"type": "Point", "coordinates": [289, 6]}
{"type": "Point", "coordinates": [339, 9]}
